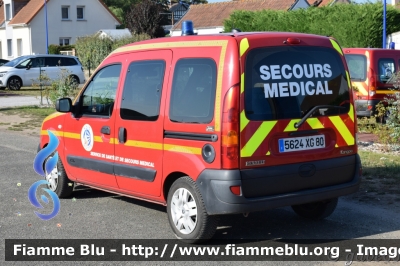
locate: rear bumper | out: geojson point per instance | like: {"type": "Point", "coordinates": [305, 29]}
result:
{"type": "Point", "coordinates": [215, 186]}
{"type": "Point", "coordinates": [362, 107]}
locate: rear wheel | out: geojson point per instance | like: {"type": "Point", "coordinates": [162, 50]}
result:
{"type": "Point", "coordinates": [316, 210]}
{"type": "Point", "coordinates": [73, 80]}
{"type": "Point", "coordinates": [187, 214]}
{"type": "Point", "coordinates": [14, 83]}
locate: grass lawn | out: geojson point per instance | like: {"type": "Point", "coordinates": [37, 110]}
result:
{"type": "Point", "coordinates": [28, 91]}
{"type": "Point", "coordinates": [34, 113]}
{"type": "Point", "coordinates": [379, 165]}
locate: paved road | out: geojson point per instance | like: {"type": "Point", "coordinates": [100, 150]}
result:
{"type": "Point", "coordinates": [10, 100]}
{"type": "Point", "coordinates": [93, 214]}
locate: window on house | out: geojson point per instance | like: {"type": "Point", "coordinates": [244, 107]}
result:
{"type": "Point", "coordinates": [80, 12]}
{"type": "Point", "coordinates": [65, 41]}
{"type": "Point", "coordinates": [9, 47]}
{"type": "Point", "coordinates": [65, 12]}
{"type": "Point", "coordinates": [8, 12]}
{"type": "Point", "coordinates": [19, 47]}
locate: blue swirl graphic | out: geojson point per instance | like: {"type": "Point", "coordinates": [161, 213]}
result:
{"type": "Point", "coordinates": [44, 154]}
{"type": "Point", "coordinates": [36, 203]}
{"type": "Point", "coordinates": [43, 170]}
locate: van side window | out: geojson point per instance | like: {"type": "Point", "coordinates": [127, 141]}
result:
{"type": "Point", "coordinates": [142, 90]}
{"type": "Point", "coordinates": [386, 68]}
{"type": "Point", "coordinates": [357, 66]}
{"type": "Point", "coordinates": [98, 98]}
{"type": "Point", "coordinates": [193, 91]}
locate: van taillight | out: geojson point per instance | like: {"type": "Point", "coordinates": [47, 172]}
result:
{"type": "Point", "coordinates": [372, 83]}
{"type": "Point", "coordinates": [230, 129]}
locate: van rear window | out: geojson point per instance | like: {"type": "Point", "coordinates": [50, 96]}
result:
{"type": "Point", "coordinates": [357, 65]}
{"type": "Point", "coordinates": [287, 82]}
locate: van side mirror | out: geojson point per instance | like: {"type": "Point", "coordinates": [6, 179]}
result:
{"type": "Point", "coordinates": [28, 67]}
{"type": "Point", "coordinates": [63, 105]}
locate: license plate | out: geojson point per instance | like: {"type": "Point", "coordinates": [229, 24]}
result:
{"type": "Point", "coordinates": [301, 143]}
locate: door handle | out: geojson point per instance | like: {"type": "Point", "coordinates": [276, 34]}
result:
{"type": "Point", "coordinates": [122, 135]}
{"type": "Point", "coordinates": [106, 130]}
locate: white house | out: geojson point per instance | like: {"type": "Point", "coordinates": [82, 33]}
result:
{"type": "Point", "coordinates": [23, 24]}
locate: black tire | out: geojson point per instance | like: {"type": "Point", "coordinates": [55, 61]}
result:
{"type": "Point", "coordinates": [63, 186]}
{"type": "Point", "coordinates": [205, 226]}
{"type": "Point", "coordinates": [316, 210]}
{"type": "Point", "coordinates": [14, 83]}
{"type": "Point", "coordinates": [74, 80]}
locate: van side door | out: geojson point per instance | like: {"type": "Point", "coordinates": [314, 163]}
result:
{"type": "Point", "coordinates": [89, 132]}
{"type": "Point", "coordinates": [139, 123]}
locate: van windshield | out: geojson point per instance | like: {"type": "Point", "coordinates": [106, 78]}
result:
{"type": "Point", "coordinates": [287, 82]}
{"type": "Point", "coordinates": [357, 65]}
{"type": "Point", "coordinates": [15, 61]}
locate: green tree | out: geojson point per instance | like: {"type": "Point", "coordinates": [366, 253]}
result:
{"type": "Point", "coordinates": [146, 17]}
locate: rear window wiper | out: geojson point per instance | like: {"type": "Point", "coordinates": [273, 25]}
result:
{"type": "Point", "coordinates": [309, 113]}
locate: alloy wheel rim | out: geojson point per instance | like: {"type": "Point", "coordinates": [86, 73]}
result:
{"type": "Point", "coordinates": [52, 179]}
{"type": "Point", "coordinates": [184, 211]}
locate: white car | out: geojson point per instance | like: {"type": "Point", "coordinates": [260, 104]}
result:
{"type": "Point", "coordinates": [25, 70]}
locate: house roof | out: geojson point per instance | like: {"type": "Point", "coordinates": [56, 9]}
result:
{"type": "Point", "coordinates": [211, 15]}
{"type": "Point", "coordinates": [328, 2]}
{"type": "Point", "coordinates": [1, 13]}
{"type": "Point", "coordinates": [30, 10]}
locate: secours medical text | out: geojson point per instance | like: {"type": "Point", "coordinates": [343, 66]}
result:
{"type": "Point", "coordinates": [286, 89]}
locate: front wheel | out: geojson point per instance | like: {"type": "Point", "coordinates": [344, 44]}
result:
{"type": "Point", "coordinates": [14, 83]}
{"type": "Point", "coordinates": [316, 210]}
{"type": "Point", "coordinates": [59, 182]}
{"type": "Point", "coordinates": [187, 214]}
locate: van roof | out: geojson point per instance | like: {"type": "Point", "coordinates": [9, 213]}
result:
{"type": "Point", "coordinates": [368, 49]}
{"type": "Point", "coordinates": [227, 36]}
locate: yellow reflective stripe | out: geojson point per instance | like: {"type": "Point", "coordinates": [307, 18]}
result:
{"type": "Point", "coordinates": [184, 149]}
{"type": "Point", "coordinates": [72, 135]}
{"type": "Point", "coordinates": [243, 121]}
{"type": "Point", "coordinates": [343, 130]}
{"type": "Point", "coordinates": [314, 123]}
{"type": "Point", "coordinates": [351, 113]}
{"type": "Point", "coordinates": [360, 88]}
{"type": "Point", "coordinates": [167, 45]}
{"type": "Point", "coordinates": [52, 116]}
{"type": "Point", "coordinates": [336, 46]}
{"type": "Point", "coordinates": [143, 144]}
{"type": "Point", "coordinates": [217, 116]}
{"type": "Point", "coordinates": [268, 153]}
{"type": "Point", "coordinates": [244, 45]}
{"type": "Point", "coordinates": [290, 126]}
{"type": "Point", "coordinates": [97, 139]}
{"type": "Point", "coordinates": [57, 133]}
{"type": "Point", "coordinates": [242, 83]}
{"type": "Point", "coordinates": [385, 92]}
{"type": "Point", "coordinates": [348, 79]}
{"type": "Point", "coordinates": [257, 138]}
{"type": "Point", "coordinates": [113, 141]}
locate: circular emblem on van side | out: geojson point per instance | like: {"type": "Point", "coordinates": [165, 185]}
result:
{"type": "Point", "coordinates": [87, 137]}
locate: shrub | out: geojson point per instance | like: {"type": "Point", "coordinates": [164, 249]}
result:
{"type": "Point", "coordinates": [92, 50]}
{"type": "Point", "coordinates": [56, 49]}
{"type": "Point", "coordinates": [352, 25]}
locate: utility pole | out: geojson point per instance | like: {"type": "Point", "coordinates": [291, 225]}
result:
{"type": "Point", "coordinates": [384, 25]}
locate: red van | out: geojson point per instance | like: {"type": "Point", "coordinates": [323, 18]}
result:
{"type": "Point", "coordinates": [212, 125]}
{"type": "Point", "coordinates": [370, 73]}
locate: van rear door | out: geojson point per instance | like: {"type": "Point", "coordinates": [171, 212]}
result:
{"type": "Point", "coordinates": [297, 117]}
